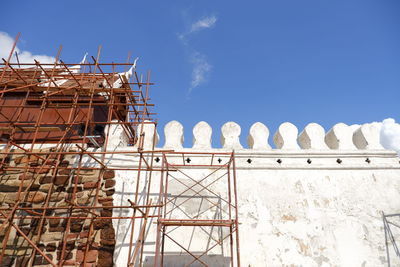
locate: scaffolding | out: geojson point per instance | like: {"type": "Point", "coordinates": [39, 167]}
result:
{"type": "Point", "coordinates": [206, 184]}
{"type": "Point", "coordinates": [57, 117]}
{"type": "Point", "coordinates": [390, 223]}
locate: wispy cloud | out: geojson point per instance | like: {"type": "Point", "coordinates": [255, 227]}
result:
{"type": "Point", "coordinates": [6, 43]}
{"type": "Point", "coordinates": [201, 67]}
{"type": "Point", "coordinates": [207, 22]}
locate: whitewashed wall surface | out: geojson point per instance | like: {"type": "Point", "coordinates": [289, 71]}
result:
{"type": "Point", "coordinates": [315, 200]}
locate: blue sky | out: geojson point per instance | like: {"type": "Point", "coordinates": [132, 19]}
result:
{"type": "Point", "coordinates": [269, 61]}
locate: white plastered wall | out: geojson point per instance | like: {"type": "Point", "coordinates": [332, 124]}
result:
{"type": "Point", "coordinates": [316, 200]}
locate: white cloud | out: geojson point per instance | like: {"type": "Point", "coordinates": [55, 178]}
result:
{"type": "Point", "coordinates": [6, 43]}
{"type": "Point", "coordinates": [390, 135]}
{"type": "Point", "coordinates": [201, 69]}
{"type": "Point", "coordinates": [204, 23]}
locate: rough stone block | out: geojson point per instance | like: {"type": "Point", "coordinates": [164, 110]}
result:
{"type": "Point", "coordinates": [8, 261]}
{"type": "Point", "coordinates": [57, 196]}
{"type": "Point", "coordinates": [40, 170]}
{"type": "Point", "coordinates": [101, 223]}
{"type": "Point", "coordinates": [108, 174]}
{"type": "Point", "coordinates": [83, 200]}
{"type": "Point", "coordinates": [56, 229]}
{"type": "Point", "coordinates": [8, 188]}
{"type": "Point", "coordinates": [68, 255]}
{"type": "Point", "coordinates": [91, 256]}
{"type": "Point", "coordinates": [54, 222]}
{"type": "Point", "coordinates": [105, 258]}
{"type": "Point", "coordinates": [70, 245]}
{"type": "Point", "coordinates": [51, 247]}
{"type": "Point", "coordinates": [9, 198]}
{"type": "Point", "coordinates": [45, 187]}
{"type": "Point", "coordinates": [89, 172]}
{"type": "Point", "coordinates": [104, 200]}
{"type": "Point", "coordinates": [110, 192]}
{"type": "Point", "coordinates": [106, 213]}
{"type": "Point", "coordinates": [76, 225]}
{"type": "Point", "coordinates": [22, 261]}
{"type": "Point", "coordinates": [36, 197]}
{"type": "Point", "coordinates": [61, 179]}
{"type": "Point", "coordinates": [70, 263]}
{"type": "Point", "coordinates": [107, 233]}
{"type": "Point", "coordinates": [40, 260]}
{"type": "Point", "coordinates": [84, 179]}
{"type": "Point", "coordinates": [64, 172]}
{"type": "Point", "coordinates": [45, 179]}
{"type": "Point", "coordinates": [26, 176]}
{"type": "Point", "coordinates": [84, 234]}
{"type": "Point", "coordinates": [109, 183]}
{"type": "Point", "coordinates": [8, 177]}
{"type": "Point", "coordinates": [90, 185]}
{"type": "Point", "coordinates": [107, 242]}
{"type": "Point", "coordinates": [23, 159]}
{"type": "Point", "coordinates": [71, 189]}
{"type": "Point", "coordinates": [51, 237]}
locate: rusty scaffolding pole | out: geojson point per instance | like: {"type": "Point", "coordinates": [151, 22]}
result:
{"type": "Point", "coordinates": [70, 108]}
{"type": "Point", "coordinates": [53, 111]}
{"type": "Point", "coordinates": [207, 183]}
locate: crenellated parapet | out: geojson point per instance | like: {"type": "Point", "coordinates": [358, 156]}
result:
{"type": "Point", "coordinates": [287, 137]}
{"type": "Point", "coordinates": [341, 147]}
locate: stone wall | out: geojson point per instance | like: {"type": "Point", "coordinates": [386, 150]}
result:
{"type": "Point", "coordinates": [44, 184]}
